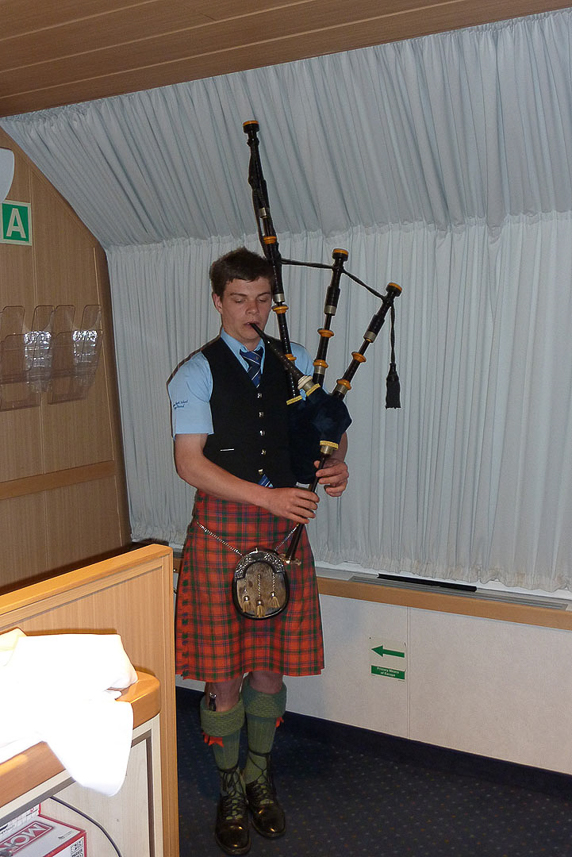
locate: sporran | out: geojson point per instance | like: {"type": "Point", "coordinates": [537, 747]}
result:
{"type": "Point", "coordinates": [260, 585]}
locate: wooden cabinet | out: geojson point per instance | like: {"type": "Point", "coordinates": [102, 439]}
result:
{"type": "Point", "coordinates": [132, 818]}
{"type": "Point", "coordinates": [130, 595]}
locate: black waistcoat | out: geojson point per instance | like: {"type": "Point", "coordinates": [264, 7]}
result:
{"type": "Point", "coordinates": [250, 423]}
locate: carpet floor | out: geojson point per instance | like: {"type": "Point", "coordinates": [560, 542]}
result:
{"type": "Point", "coordinates": [348, 791]}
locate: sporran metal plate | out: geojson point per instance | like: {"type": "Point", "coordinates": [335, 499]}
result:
{"type": "Point", "coordinates": [261, 588]}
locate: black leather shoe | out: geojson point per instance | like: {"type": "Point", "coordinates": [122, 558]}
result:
{"type": "Point", "coordinates": [268, 816]}
{"type": "Point", "coordinates": [232, 829]}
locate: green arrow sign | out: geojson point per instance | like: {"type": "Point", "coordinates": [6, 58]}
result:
{"type": "Point", "coordinates": [381, 651]}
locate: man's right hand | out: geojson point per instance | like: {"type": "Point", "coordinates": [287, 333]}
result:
{"type": "Point", "coordinates": [296, 504]}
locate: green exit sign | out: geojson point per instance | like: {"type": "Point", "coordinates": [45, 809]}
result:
{"type": "Point", "coordinates": [16, 223]}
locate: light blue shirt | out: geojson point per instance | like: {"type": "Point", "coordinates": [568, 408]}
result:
{"type": "Point", "coordinates": [190, 388]}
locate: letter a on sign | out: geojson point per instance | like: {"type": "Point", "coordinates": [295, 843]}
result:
{"type": "Point", "coordinates": [16, 223]}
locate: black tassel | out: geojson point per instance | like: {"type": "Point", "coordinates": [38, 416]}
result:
{"type": "Point", "coordinates": [393, 394]}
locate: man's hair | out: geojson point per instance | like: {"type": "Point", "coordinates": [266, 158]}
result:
{"type": "Point", "coordinates": [240, 264]}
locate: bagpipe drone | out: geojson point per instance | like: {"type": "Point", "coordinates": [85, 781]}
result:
{"type": "Point", "coordinates": [317, 419]}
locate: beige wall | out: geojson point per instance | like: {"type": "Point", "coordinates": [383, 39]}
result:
{"type": "Point", "coordinates": [62, 485]}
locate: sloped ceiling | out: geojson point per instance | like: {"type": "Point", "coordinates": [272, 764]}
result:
{"type": "Point", "coordinates": [66, 51]}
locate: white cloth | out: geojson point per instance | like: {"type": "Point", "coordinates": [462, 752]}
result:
{"type": "Point", "coordinates": [61, 689]}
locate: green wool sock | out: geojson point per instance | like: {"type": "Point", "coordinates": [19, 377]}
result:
{"type": "Point", "coordinates": [222, 731]}
{"type": "Point", "coordinates": [263, 710]}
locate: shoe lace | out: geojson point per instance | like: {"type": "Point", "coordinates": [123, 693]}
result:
{"type": "Point", "coordinates": [233, 801]}
{"type": "Point", "coordinates": [262, 788]}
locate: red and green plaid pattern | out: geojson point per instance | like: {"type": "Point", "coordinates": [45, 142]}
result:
{"type": "Point", "coordinates": [214, 643]}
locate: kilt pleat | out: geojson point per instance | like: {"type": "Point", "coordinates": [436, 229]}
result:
{"type": "Point", "coordinates": [214, 643]}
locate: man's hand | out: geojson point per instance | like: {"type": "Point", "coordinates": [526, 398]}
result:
{"type": "Point", "coordinates": [296, 504]}
{"type": "Point", "coordinates": [333, 476]}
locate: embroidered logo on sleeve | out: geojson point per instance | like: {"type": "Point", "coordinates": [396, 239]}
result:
{"type": "Point", "coordinates": [180, 404]}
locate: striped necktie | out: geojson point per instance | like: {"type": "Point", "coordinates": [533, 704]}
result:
{"type": "Point", "coordinates": [254, 359]}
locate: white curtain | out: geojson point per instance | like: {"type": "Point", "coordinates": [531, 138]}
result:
{"type": "Point", "coordinates": [471, 478]}
{"type": "Point", "coordinates": [441, 163]}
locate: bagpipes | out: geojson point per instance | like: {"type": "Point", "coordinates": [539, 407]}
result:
{"type": "Point", "coordinates": [317, 420]}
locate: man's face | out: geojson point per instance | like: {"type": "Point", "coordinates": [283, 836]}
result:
{"type": "Point", "coordinates": [241, 303]}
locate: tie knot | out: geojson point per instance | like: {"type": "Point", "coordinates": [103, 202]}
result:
{"type": "Point", "coordinates": [252, 356]}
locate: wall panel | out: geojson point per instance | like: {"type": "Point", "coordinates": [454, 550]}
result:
{"type": "Point", "coordinates": [23, 536]}
{"type": "Point", "coordinates": [17, 270]}
{"type": "Point", "coordinates": [62, 486]}
{"type": "Point", "coordinates": [78, 433]}
{"type": "Point", "coordinates": [63, 249]}
{"type": "Point", "coordinates": [492, 688]}
{"type": "Point", "coordinates": [21, 447]}
{"type": "Point", "coordinates": [82, 521]}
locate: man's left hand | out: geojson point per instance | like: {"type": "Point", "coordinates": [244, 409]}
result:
{"type": "Point", "coordinates": [333, 476]}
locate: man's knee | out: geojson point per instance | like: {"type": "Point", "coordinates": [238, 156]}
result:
{"type": "Point", "coordinates": [264, 681]}
{"type": "Point", "coordinates": [223, 695]}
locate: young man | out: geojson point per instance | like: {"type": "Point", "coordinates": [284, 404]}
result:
{"type": "Point", "coordinates": [231, 444]}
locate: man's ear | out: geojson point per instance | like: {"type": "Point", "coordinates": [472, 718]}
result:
{"type": "Point", "coordinates": [217, 302]}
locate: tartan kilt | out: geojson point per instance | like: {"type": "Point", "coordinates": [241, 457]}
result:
{"type": "Point", "coordinates": [215, 643]}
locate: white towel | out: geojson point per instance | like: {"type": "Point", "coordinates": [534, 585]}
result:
{"type": "Point", "coordinates": [61, 689]}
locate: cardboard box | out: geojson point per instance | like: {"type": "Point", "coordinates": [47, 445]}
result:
{"type": "Point", "coordinates": [35, 835]}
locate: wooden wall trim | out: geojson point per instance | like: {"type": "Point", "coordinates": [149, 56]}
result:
{"type": "Point", "coordinates": [484, 608]}
{"type": "Point", "coordinates": [57, 479]}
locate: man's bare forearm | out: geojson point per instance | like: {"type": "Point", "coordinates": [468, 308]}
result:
{"type": "Point", "coordinates": [296, 504]}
